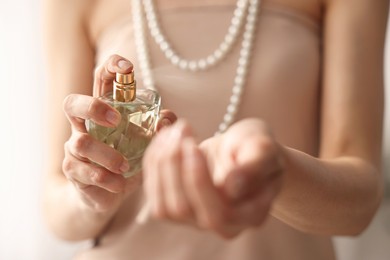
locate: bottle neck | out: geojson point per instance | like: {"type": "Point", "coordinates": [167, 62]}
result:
{"type": "Point", "coordinates": [124, 87]}
{"type": "Point", "coordinates": [124, 92]}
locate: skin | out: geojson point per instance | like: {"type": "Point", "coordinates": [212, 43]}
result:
{"type": "Point", "coordinates": [334, 192]}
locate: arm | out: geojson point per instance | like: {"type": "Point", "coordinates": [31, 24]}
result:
{"type": "Point", "coordinates": [339, 192]}
{"type": "Point", "coordinates": [80, 197]}
{"type": "Point", "coordinates": [70, 59]}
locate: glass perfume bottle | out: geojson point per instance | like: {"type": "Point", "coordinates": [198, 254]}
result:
{"type": "Point", "coordinates": [139, 109]}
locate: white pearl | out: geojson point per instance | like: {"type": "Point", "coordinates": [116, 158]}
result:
{"type": "Point", "coordinates": [210, 60]}
{"type": "Point", "coordinates": [252, 10]}
{"type": "Point", "coordinates": [164, 46]}
{"type": "Point", "coordinates": [202, 64]}
{"type": "Point", "coordinates": [234, 100]}
{"type": "Point", "coordinates": [242, 61]}
{"type": "Point", "coordinates": [159, 38]}
{"type": "Point", "coordinates": [154, 31]}
{"type": "Point", "coordinates": [244, 53]}
{"type": "Point", "coordinates": [193, 65]}
{"type": "Point", "coordinates": [231, 109]}
{"type": "Point", "coordinates": [237, 90]}
{"type": "Point", "coordinates": [229, 39]}
{"type": "Point", "coordinates": [233, 30]}
{"type": "Point", "coordinates": [175, 59]}
{"type": "Point", "coordinates": [238, 12]}
{"type": "Point", "coordinates": [241, 3]}
{"type": "Point", "coordinates": [246, 44]}
{"type": "Point", "coordinates": [224, 47]}
{"type": "Point", "coordinates": [222, 127]}
{"type": "Point", "coordinates": [248, 35]}
{"type": "Point", "coordinates": [251, 18]}
{"type": "Point", "coordinates": [218, 54]}
{"type": "Point", "coordinates": [236, 21]}
{"type": "Point", "coordinates": [151, 16]}
{"type": "Point", "coordinates": [241, 71]}
{"type": "Point", "coordinates": [169, 54]}
{"type": "Point", "coordinates": [228, 118]}
{"type": "Point", "coordinates": [183, 64]}
{"type": "Point", "coordinates": [249, 27]}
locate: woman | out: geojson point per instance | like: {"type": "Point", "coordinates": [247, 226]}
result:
{"type": "Point", "coordinates": [300, 162]}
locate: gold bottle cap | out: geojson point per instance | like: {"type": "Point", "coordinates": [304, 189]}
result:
{"type": "Point", "coordinates": [124, 78]}
{"type": "Point", "coordinates": [124, 87]}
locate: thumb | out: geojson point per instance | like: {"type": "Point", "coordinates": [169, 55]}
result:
{"type": "Point", "coordinates": [241, 183]}
{"type": "Point", "coordinates": [256, 162]}
{"type": "Point", "coordinates": [105, 74]}
{"type": "Point", "coordinates": [167, 118]}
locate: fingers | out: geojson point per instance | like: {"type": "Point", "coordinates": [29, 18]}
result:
{"type": "Point", "coordinates": [100, 189]}
{"type": "Point", "coordinates": [80, 107]}
{"type": "Point", "coordinates": [257, 163]}
{"type": "Point", "coordinates": [254, 211]}
{"type": "Point", "coordinates": [177, 204]}
{"type": "Point", "coordinates": [153, 186]}
{"type": "Point", "coordinates": [179, 186]}
{"type": "Point", "coordinates": [84, 147]}
{"type": "Point", "coordinates": [84, 174]}
{"type": "Point", "coordinates": [202, 194]}
{"type": "Point", "coordinates": [167, 118]}
{"type": "Point", "coordinates": [162, 168]}
{"type": "Point", "coordinates": [105, 74]}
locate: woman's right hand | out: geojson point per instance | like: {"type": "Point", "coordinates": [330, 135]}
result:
{"type": "Point", "coordinates": [100, 184]}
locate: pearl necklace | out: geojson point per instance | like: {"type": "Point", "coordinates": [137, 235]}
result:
{"type": "Point", "coordinates": [242, 11]}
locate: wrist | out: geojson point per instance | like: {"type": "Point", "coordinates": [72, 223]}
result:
{"type": "Point", "coordinates": [87, 210]}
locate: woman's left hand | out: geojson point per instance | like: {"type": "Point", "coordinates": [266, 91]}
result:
{"type": "Point", "coordinates": [226, 184]}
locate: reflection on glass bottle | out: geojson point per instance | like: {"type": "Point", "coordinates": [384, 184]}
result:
{"type": "Point", "coordinates": [139, 109]}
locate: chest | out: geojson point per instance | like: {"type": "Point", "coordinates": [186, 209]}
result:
{"type": "Point", "coordinates": [282, 83]}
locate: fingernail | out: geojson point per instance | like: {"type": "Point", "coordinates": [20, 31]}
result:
{"type": "Point", "coordinates": [236, 187]}
{"type": "Point", "coordinates": [166, 122]}
{"type": "Point", "coordinates": [125, 166]}
{"type": "Point", "coordinates": [124, 64]}
{"type": "Point", "coordinates": [112, 117]}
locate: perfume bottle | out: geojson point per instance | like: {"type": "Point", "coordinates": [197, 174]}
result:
{"type": "Point", "coordinates": [139, 109]}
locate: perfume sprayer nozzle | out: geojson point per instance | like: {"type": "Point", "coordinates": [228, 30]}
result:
{"type": "Point", "coordinates": [124, 87]}
{"type": "Point", "coordinates": [124, 78]}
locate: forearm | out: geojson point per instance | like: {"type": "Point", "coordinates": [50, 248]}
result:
{"type": "Point", "coordinates": [68, 216]}
{"type": "Point", "coordinates": [333, 197]}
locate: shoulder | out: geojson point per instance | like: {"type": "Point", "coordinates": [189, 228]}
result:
{"type": "Point", "coordinates": [359, 16]}
{"type": "Point", "coordinates": [66, 38]}
{"type": "Point", "coordinates": [69, 8]}
{"type": "Point", "coordinates": [357, 4]}
{"type": "Point", "coordinates": [63, 17]}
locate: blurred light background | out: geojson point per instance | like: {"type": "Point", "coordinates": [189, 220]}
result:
{"type": "Point", "coordinates": [23, 234]}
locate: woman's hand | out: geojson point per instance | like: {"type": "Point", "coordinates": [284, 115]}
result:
{"type": "Point", "coordinates": [101, 184]}
{"type": "Point", "coordinates": [226, 184]}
